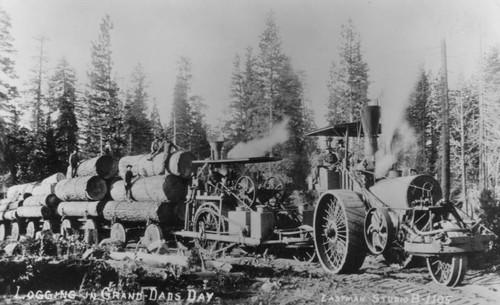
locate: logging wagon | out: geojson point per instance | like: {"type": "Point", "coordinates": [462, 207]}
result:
{"type": "Point", "coordinates": [217, 204]}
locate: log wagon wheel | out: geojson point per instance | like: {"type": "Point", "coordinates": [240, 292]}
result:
{"type": "Point", "coordinates": [3, 232]}
{"type": "Point", "coordinates": [67, 228]}
{"type": "Point", "coordinates": [152, 236]}
{"type": "Point", "coordinates": [90, 234]}
{"type": "Point", "coordinates": [207, 219]}
{"type": "Point", "coordinates": [31, 229]}
{"type": "Point", "coordinates": [277, 188]}
{"type": "Point", "coordinates": [14, 231]}
{"type": "Point", "coordinates": [118, 233]}
{"type": "Point", "coordinates": [245, 190]}
{"type": "Point", "coordinates": [338, 231]}
{"type": "Point", "coordinates": [447, 269]}
{"type": "Point", "coordinates": [47, 227]}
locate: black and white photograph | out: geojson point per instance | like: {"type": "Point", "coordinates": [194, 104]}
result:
{"type": "Point", "coordinates": [249, 152]}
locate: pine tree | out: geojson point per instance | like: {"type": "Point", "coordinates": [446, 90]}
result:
{"type": "Point", "coordinates": [348, 82]}
{"type": "Point", "coordinates": [179, 128]}
{"type": "Point", "coordinates": [104, 116]}
{"type": "Point", "coordinates": [7, 89]}
{"type": "Point", "coordinates": [62, 94]}
{"type": "Point", "coordinates": [156, 126]}
{"type": "Point", "coordinates": [137, 126]}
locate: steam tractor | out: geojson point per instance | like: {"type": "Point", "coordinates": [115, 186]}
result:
{"type": "Point", "coordinates": [218, 203]}
{"type": "Point", "coordinates": [399, 217]}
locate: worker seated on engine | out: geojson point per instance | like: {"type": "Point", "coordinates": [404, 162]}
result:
{"type": "Point", "coordinates": [328, 160]}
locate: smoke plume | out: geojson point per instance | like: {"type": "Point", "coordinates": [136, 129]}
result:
{"type": "Point", "coordinates": [397, 136]}
{"type": "Point", "coordinates": [259, 147]}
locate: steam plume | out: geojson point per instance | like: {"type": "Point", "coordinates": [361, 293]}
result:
{"type": "Point", "coordinates": [259, 147]}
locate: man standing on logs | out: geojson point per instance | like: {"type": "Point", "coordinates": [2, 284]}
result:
{"type": "Point", "coordinates": [128, 182]}
{"type": "Point", "coordinates": [74, 160]}
{"type": "Point", "coordinates": [169, 149]}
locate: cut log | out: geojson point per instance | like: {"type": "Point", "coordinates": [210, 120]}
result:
{"type": "Point", "coordinates": [180, 163]}
{"type": "Point", "coordinates": [12, 205]}
{"type": "Point", "coordinates": [141, 165]}
{"type": "Point", "coordinates": [175, 188]}
{"type": "Point", "coordinates": [34, 212]}
{"type": "Point", "coordinates": [134, 211]}
{"type": "Point", "coordinates": [143, 189]}
{"type": "Point", "coordinates": [154, 260]}
{"type": "Point", "coordinates": [8, 215]}
{"type": "Point", "coordinates": [18, 191]}
{"type": "Point", "coordinates": [102, 166]}
{"type": "Point", "coordinates": [81, 188]}
{"type": "Point", "coordinates": [80, 208]}
{"type": "Point", "coordinates": [44, 189]}
{"type": "Point", "coordinates": [51, 201]}
{"type": "Point", "coordinates": [54, 178]}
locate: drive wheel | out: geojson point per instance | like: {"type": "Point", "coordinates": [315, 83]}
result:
{"type": "Point", "coordinates": [448, 270]}
{"type": "Point", "coordinates": [338, 232]}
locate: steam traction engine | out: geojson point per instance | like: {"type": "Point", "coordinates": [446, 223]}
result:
{"type": "Point", "coordinates": [398, 217]}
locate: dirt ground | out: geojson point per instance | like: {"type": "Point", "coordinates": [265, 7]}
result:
{"type": "Point", "coordinates": [250, 280]}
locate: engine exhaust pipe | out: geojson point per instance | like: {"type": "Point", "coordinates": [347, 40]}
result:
{"type": "Point", "coordinates": [370, 118]}
{"type": "Point", "coordinates": [216, 150]}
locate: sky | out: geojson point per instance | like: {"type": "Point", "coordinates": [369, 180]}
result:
{"type": "Point", "coordinates": [397, 38]}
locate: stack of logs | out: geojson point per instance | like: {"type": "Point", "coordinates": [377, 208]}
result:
{"type": "Point", "coordinates": [85, 194]}
{"type": "Point", "coordinates": [28, 202]}
{"type": "Point", "coordinates": [158, 194]}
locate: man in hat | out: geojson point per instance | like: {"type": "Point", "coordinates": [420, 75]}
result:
{"type": "Point", "coordinates": [156, 147]}
{"type": "Point", "coordinates": [128, 181]}
{"type": "Point", "coordinates": [74, 160]}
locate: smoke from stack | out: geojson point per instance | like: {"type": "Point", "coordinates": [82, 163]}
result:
{"type": "Point", "coordinates": [397, 136]}
{"type": "Point", "coordinates": [259, 147]}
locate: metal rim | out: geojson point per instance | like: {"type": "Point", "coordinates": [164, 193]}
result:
{"type": "Point", "coordinates": [448, 270]}
{"type": "Point", "coordinates": [338, 238]}
{"type": "Point", "coordinates": [245, 188]}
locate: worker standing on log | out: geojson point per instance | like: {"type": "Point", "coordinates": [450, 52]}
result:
{"type": "Point", "coordinates": [74, 160]}
{"type": "Point", "coordinates": [128, 182]}
{"type": "Point", "coordinates": [169, 149]}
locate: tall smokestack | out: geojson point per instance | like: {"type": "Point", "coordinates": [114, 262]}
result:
{"type": "Point", "coordinates": [370, 118]}
{"type": "Point", "coordinates": [216, 150]}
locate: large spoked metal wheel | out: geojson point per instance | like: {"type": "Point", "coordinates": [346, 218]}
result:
{"type": "Point", "coordinates": [338, 231]}
{"type": "Point", "coordinates": [448, 270]}
{"type": "Point", "coordinates": [207, 220]}
{"type": "Point", "coordinates": [379, 230]}
{"type": "Point", "coordinates": [245, 190]}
